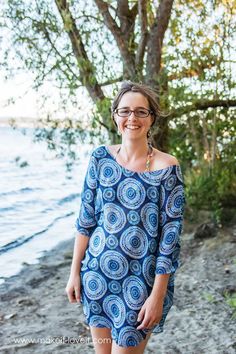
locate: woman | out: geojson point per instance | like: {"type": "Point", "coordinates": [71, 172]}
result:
{"type": "Point", "coordinates": [129, 224]}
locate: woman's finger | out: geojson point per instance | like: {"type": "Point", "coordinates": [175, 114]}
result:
{"type": "Point", "coordinates": [71, 295]}
{"type": "Point", "coordinates": [77, 293]}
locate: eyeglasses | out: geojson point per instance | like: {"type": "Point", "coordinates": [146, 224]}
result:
{"type": "Point", "coordinates": [138, 112]}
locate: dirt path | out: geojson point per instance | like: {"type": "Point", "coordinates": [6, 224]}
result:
{"type": "Point", "coordinates": [34, 307]}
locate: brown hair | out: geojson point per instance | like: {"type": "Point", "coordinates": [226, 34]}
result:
{"type": "Point", "coordinates": [145, 90]}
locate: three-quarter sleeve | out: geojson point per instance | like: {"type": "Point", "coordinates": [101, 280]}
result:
{"type": "Point", "coordinates": [172, 205]}
{"type": "Point", "coordinates": [86, 220]}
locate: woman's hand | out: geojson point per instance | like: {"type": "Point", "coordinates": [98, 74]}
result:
{"type": "Point", "coordinates": [73, 288]}
{"type": "Point", "coordinates": [151, 312]}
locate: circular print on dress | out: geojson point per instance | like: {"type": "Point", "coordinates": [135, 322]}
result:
{"type": "Point", "coordinates": [128, 173]}
{"type": "Point", "coordinates": [163, 265]}
{"type": "Point", "coordinates": [162, 196]}
{"type": "Point", "coordinates": [100, 321]}
{"type": "Point", "coordinates": [112, 242]}
{"type": "Point", "coordinates": [154, 177]}
{"type": "Point", "coordinates": [135, 267]}
{"type": "Point", "coordinates": [114, 218]}
{"type": "Point", "coordinates": [84, 262]}
{"type": "Point", "coordinates": [97, 241]}
{"type": "Point", "coordinates": [109, 194]}
{"type": "Point", "coordinates": [152, 245]}
{"type": "Point", "coordinates": [93, 264]}
{"type": "Point", "coordinates": [99, 152]}
{"type": "Point", "coordinates": [171, 282]}
{"type": "Point", "coordinates": [133, 217]}
{"type": "Point", "coordinates": [129, 336]}
{"type": "Point", "coordinates": [114, 333]}
{"type": "Point", "coordinates": [134, 242]}
{"type": "Point", "coordinates": [148, 269]}
{"type": "Point", "coordinates": [175, 202]}
{"type": "Point", "coordinates": [153, 194]}
{"type": "Point", "coordinates": [110, 172]}
{"type": "Point", "coordinates": [131, 317]}
{"type": "Point", "coordinates": [114, 307]}
{"type": "Point", "coordinates": [86, 309]}
{"type": "Point", "coordinates": [94, 285]}
{"type": "Point", "coordinates": [170, 182]}
{"type": "Point", "coordinates": [91, 175]}
{"type": "Point", "coordinates": [131, 193]}
{"type": "Point", "coordinates": [167, 171]}
{"type": "Point", "coordinates": [114, 287]}
{"type": "Point", "coordinates": [114, 265]}
{"type": "Point", "coordinates": [179, 173]}
{"type": "Point", "coordinates": [95, 307]}
{"type": "Point", "coordinates": [169, 237]}
{"type": "Point", "coordinates": [134, 292]}
{"type": "Point", "coordinates": [162, 218]}
{"type": "Point", "coordinates": [86, 216]}
{"type": "Point", "coordinates": [149, 216]}
{"type": "Point", "coordinates": [98, 201]}
{"type": "Point", "coordinates": [87, 196]}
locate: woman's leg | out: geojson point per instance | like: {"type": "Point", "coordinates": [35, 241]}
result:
{"type": "Point", "coordinates": [139, 349]}
{"type": "Point", "coordinates": [102, 340]}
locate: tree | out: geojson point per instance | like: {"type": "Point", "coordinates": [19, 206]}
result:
{"type": "Point", "coordinates": [184, 50]}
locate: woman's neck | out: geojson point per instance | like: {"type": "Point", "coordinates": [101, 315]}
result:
{"type": "Point", "coordinates": [131, 151]}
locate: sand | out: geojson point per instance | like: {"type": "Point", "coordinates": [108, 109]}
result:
{"type": "Point", "coordinates": [36, 316]}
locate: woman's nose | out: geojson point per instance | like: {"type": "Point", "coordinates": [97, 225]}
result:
{"type": "Point", "coordinates": [132, 116]}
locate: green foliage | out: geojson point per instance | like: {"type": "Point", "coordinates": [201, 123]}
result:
{"type": "Point", "coordinates": [230, 299]}
{"type": "Point", "coordinates": [207, 188]}
{"type": "Point", "coordinates": [63, 137]}
{"type": "Point", "coordinates": [209, 297]}
{"type": "Point", "coordinates": [197, 65]}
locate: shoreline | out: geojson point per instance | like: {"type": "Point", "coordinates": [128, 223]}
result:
{"type": "Point", "coordinates": [34, 306]}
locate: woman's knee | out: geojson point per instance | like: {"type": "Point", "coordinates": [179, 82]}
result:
{"type": "Point", "coordinates": [102, 340]}
{"type": "Point", "coordinates": [139, 349]}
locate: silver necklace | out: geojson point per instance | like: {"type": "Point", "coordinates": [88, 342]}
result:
{"type": "Point", "coordinates": [149, 155]}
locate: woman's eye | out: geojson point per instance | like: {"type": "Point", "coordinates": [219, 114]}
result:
{"type": "Point", "coordinates": [141, 111]}
{"type": "Point", "coordinates": [124, 111]}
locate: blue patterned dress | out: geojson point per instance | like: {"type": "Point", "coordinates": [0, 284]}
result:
{"type": "Point", "coordinates": [133, 221]}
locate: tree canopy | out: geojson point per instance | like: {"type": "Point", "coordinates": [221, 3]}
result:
{"type": "Point", "coordinates": [183, 49]}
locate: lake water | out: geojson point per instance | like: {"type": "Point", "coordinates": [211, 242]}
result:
{"type": "Point", "coordinates": [39, 202]}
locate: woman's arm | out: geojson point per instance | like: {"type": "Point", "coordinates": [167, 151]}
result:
{"type": "Point", "coordinates": [160, 286]}
{"type": "Point", "coordinates": [73, 285]}
{"type": "Point", "coordinates": [80, 246]}
{"type": "Point", "coordinates": [85, 225]}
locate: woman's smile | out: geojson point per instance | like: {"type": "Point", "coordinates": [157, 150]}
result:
{"type": "Point", "coordinates": [132, 127]}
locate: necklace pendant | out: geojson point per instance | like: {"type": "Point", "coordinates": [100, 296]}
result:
{"type": "Point", "coordinates": [148, 157]}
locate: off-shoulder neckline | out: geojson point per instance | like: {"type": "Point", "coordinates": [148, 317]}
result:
{"type": "Point", "coordinates": [138, 172]}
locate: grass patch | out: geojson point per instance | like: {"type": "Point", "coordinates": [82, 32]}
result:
{"type": "Point", "coordinates": [230, 299]}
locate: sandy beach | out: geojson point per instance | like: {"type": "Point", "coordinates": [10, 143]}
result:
{"type": "Point", "coordinates": [36, 316]}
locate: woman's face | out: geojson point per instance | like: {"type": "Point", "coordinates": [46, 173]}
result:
{"type": "Point", "coordinates": [133, 127]}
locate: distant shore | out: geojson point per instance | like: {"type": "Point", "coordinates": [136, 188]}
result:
{"type": "Point", "coordinates": [21, 122]}
{"type": "Point", "coordinates": [36, 316]}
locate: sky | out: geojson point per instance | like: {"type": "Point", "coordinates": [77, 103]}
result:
{"type": "Point", "coordinates": [28, 102]}
{"type": "Point", "coordinates": [25, 106]}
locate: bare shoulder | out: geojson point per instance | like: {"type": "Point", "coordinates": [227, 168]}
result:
{"type": "Point", "coordinates": [160, 159]}
{"type": "Point", "coordinates": [163, 159]}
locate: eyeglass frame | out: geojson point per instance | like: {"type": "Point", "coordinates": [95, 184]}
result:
{"type": "Point", "coordinates": [130, 112]}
